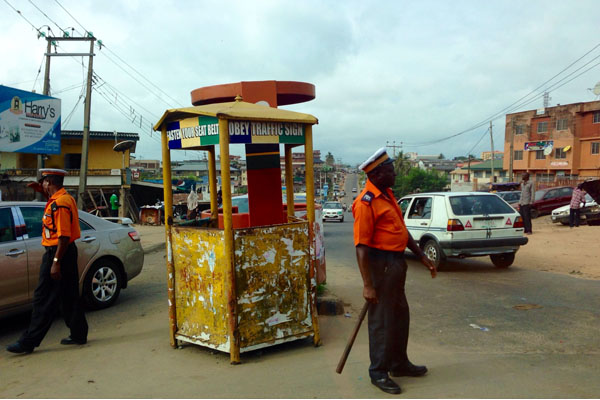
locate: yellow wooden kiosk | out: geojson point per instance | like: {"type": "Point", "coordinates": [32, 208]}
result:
{"type": "Point", "coordinates": [241, 281]}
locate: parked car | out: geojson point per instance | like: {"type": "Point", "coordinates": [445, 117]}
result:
{"type": "Point", "coordinates": [561, 214]}
{"type": "Point", "coordinates": [353, 190]}
{"type": "Point", "coordinates": [511, 197]}
{"type": "Point", "coordinates": [333, 210]}
{"type": "Point", "coordinates": [592, 215]}
{"type": "Point", "coordinates": [464, 224]}
{"type": "Point", "coordinates": [549, 199]}
{"type": "Point", "coordinates": [109, 255]}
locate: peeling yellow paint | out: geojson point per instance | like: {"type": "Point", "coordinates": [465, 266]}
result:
{"type": "Point", "coordinates": [272, 283]}
{"type": "Point", "coordinates": [201, 301]}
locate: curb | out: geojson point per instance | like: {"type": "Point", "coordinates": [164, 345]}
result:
{"type": "Point", "coordinates": [153, 247]}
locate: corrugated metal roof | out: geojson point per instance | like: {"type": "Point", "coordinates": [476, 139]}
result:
{"type": "Point", "coordinates": [101, 135]}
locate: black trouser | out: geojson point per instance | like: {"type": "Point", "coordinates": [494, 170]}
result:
{"type": "Point", "coordinates": [525, 210]}
{"type": "Point", "coordinates": [574, 215]}
{"type": "Point", "coordinates": [389, 319]}
{"type": "Point", "coordinates": [50, 294]}
{"type": "Point", "coordinates": [114, 213]}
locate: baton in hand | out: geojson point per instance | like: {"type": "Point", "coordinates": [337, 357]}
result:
{"type": "Point", "coordinates": [344, 357]}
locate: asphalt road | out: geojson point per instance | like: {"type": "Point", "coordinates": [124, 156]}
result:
{"type": "Point", "coordinates": [535, 336]}
{"type": "Point", "coordinates": [540, 329]}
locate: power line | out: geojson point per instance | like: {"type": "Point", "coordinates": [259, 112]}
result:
{"type": "Point", "coordinates": [128, 65]}
{"type": "Point", "coordinates": [520, 102]}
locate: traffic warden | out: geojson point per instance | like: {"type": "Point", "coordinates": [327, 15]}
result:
{"type": "Point", "coordinates": [58, 284]}
{"type": "Point", "coordinates": [381, 237]}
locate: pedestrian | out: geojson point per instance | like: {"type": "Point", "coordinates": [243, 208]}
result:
{"type": "Point", "coordinates": [577, 201]}
{"type": "Point", "coordinates": [114, 205]}
{"type": "Point", "coordinates": [381, 237]}
{"type": "Point", "coordinates": [58, 285]}
{"type": "Point", "coordinates": [219, 198]}
{"type": "Point", "coordinates": [527, 197]}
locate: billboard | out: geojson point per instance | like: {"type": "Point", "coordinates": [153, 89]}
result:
{"type": "Point", "coordinates": [29, 122]}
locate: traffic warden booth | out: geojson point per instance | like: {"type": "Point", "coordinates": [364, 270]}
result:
{"type": "Point", "coordinates": [241, 281]}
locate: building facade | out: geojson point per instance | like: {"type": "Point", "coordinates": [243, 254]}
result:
{"type": "Point", "coordinates": [555, 143]}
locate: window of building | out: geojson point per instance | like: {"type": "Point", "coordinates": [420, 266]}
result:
{"type": "Point", "coordinates": [478, 174]}
{"type": "Point", "coordinates": [559, 153]}
{"type": "Point", "coordinates": [542, 127]}
{"type": "Point", "coordinates": [595, 147]}
{"type": "Point", "coordinates": [518, 155]}
{"type": "Point", "coordinates": [561, 124]}
{"type": "Point", "coordinates": [520, 130]}
{"type": "Point", "coordinates": [539, 155]}
{"type": "Point", "coordinates": [597, 117]}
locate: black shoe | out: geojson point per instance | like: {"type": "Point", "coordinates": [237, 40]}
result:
{"type": "Point", "coordinates": [18, 348]}
{"type": "Point", "coordinates": [68, 340]}
{"type": "Point", "coordinates": [387, 385]}
{"type": "Point", "coordinates": [409, 370]}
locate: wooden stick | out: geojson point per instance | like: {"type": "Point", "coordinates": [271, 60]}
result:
{"type": "Point", "coordinates": [344, 357]}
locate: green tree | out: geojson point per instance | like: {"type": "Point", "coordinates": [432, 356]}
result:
{"type": "Point", "coordinates": [441, 156]}
{"type": "Point", "coordinates": [419, 180]}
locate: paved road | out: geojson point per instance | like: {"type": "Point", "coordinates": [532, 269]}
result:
{"type": "Point", "coordinates": [551, 351]}
{"type": "Point", "coordinates": [537, 335]}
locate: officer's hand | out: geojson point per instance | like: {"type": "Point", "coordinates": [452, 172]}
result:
{"type": "Point", "coordinates": [55, 271]}
{"type": "Point", "coordinates": [36, 186]}
{"type": "Point", "coordinates": [369, 294]}
{"type": "Point", "coordinates": [430, 265]}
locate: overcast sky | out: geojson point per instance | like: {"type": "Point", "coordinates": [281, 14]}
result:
{"type": "Point", "coordinates": [385, 71]}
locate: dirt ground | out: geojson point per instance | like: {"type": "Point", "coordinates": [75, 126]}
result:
{"type": "Point", "coordinates": [561, 249]}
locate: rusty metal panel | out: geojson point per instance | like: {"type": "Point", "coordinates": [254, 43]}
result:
{"type": "Point", "coordinates": [272, 283]}
{"type": "Point", "coordinates": [200, 275]}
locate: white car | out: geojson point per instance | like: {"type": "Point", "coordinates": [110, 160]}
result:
{"type": "Point", "coordinates": [333, 210]}
{"type": "Point", "coordinates": [464, 224]}
{"type": "Point", "coordinates": [561, 214]}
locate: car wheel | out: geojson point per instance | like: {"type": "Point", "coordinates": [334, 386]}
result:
{"type": "Point", "coordinates": [433, 251]}
{"type": "Point", "coordinates": [342, 220]}
{"type": "Point", "coordinates": [534, 213]}
{"type": "Point", "coordinates": [565, 223]}
{"type": "Point", "coordinates": [102, 284]}
{"type": "Point", "coordinates": [503, 260]}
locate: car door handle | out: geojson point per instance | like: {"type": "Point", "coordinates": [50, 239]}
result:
{"type": "Point", "coordinates": [423, 223]}
{"type": "Point", "coordinates": [88, 239]}
{"type": "Point", "coordinates": [15, 252]}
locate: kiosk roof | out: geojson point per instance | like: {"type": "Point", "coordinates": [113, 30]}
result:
{"type": "Point", "coordinates": [236, 110]}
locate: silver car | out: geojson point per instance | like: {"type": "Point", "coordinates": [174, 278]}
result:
{"type": "Point", "coordinates": [109, 255]}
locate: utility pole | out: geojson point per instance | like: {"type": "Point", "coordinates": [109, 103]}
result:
{"type": "Point", "coordinates": [492, 140]}
{"type": "Point", "coordinates": [512, 151]}
{"type": "Point", "coordinates": [40, 157]}
{"type": "Point", "coordinates": [86, 130]}
{"type": "Point", "coordinates": [88, 99]}
{"type": "Point", "coordinates": [393, 146]}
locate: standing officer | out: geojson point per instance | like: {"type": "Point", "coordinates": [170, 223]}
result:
{"type": "Point", "coordinates": [381, 237]}
{"type": "Point", "coordinates": [59, 277]}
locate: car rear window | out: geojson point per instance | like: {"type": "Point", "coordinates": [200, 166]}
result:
{"type": "Point", "coordinates": [477, 205]}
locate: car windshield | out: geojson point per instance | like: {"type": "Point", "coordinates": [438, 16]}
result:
{"type": "Point", "coordinates": [476, 204]}
{"type": "Point", "coordinates": [241, 203]}
{"type": "Point", "coordinates": [588, 198]}
{"type": "Point", "coordinates": [332, 205]}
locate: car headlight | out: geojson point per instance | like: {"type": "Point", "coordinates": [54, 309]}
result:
{"type": "Point", "coordinates": [595, 209]}
{"type": "Point", "coordinates": [562, 213]}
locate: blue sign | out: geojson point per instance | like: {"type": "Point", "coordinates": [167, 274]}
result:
{"type": "Point", "coordinates": [29, 122]}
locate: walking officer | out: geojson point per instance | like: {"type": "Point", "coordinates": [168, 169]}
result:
{"type": "Point", "coordinates": [381, 237]}
{"type": "Point", "coordinates": [58, 284]}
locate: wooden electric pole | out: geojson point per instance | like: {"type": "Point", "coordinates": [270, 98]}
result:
{"type": "Point", "coordinates": [88, 102]}
{"type": "Point", "coordinates": [512, 152]}
{"type": "Point", "coordinates": [492, 140]}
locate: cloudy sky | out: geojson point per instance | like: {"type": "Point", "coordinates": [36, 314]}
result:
{"type": "Point", "coordinates": [410, 72]}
